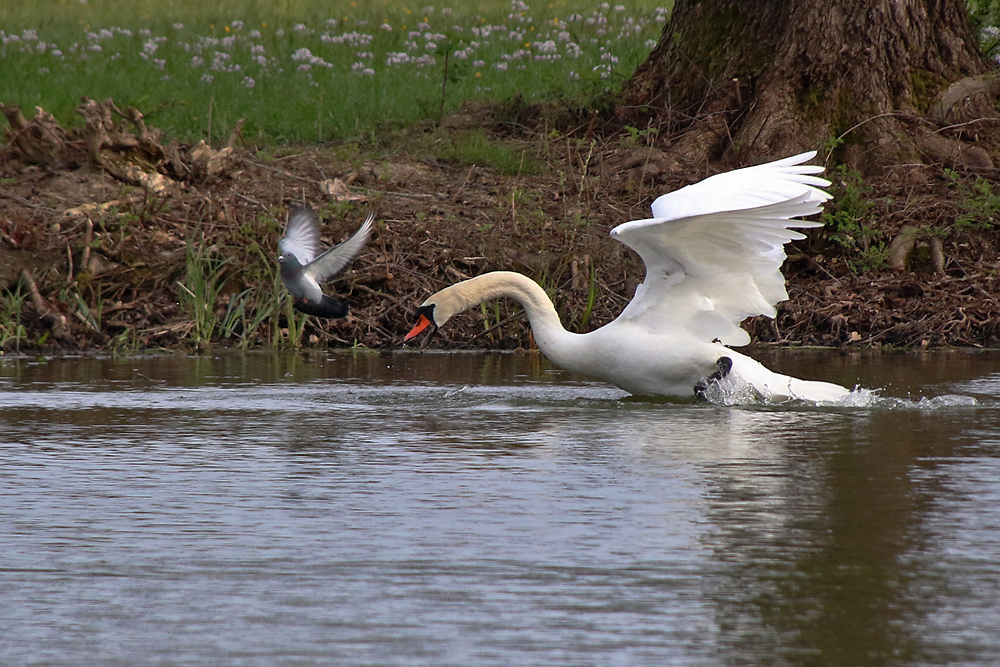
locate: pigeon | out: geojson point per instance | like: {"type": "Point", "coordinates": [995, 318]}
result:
{"type": "Point", "coordinates": [303, 268]}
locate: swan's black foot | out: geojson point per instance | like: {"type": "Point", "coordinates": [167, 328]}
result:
{"type": "Point", "coordinates": [722, 368]}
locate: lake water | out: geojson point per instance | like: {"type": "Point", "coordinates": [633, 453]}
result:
{"type": "Point", "coordinates": [472, 509]}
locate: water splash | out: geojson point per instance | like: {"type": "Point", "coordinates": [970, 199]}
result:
{"type": "Point", "coordinates": [736, 393]}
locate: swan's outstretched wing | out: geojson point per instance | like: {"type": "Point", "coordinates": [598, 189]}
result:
{"type": "Point", "coordinates": [302, 235]}
{"type": "Point", "coordinates": [336, 258]}
{"type": "Point", "coordinates": [713, 250]}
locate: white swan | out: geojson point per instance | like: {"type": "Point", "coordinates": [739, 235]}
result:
{"type": "Point", "coordinates": [713, 253]}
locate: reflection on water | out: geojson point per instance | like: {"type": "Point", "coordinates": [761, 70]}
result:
{"type": "Point", "coordinates": [487, 509]}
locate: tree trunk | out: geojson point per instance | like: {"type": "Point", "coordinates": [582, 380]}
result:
{"type": "Point", "coordinates": [872, 79]}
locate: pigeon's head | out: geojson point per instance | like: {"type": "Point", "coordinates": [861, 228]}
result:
{"type": "Point", "coordinates": [290, 264]}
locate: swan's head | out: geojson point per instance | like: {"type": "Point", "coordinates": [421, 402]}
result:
{"type": "Point", "coordinates": [429, 314]}
{"type": "Point", "coordinates": [438, 309]}
{"type": "Point", "coordinates": [425, 318]}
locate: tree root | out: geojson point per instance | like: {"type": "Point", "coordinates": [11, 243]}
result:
{"type": "Point", "coordinates": [55, 319]}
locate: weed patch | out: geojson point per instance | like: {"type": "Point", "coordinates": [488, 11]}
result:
{"type": "Point", "coordinates": [848, 222]}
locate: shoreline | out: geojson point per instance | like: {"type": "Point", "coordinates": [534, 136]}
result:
{"type": "Point", "coordinates": [88, 261]}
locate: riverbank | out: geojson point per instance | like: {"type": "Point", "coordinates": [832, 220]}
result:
{"type": "Point", "coordinates": [92, 260]}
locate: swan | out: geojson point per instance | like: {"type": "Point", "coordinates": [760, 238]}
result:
{"type": "Point", "coordinates": [713, 252]}
{"type": "Point", "coordinates": [302, 270]}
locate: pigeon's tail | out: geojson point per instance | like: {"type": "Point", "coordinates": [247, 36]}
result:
{"type": "Point", "coordinates": [329, 307]}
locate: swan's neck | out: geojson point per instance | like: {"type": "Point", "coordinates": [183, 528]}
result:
{"type": "Point", "coordinates": [545, 325]}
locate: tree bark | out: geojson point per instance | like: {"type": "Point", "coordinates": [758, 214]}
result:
{"type": "Point", "coordinates": [863, 77]}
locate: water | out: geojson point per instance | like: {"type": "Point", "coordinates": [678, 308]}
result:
{"type": "Point", "coordinates": [457, 509]}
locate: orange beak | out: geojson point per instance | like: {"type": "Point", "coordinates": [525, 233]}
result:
{"type": "Point", "coordinates": [421, 324]}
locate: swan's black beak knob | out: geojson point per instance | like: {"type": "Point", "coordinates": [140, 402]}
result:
{"type": "Point", "coordinates": [425, 319]}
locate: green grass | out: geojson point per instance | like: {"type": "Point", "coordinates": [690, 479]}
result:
{"type": "Point", "coordinates": [979, 205]}
{"type": "Point", "coordinates": [848, 221]}
{"type": "Point", "coordinates": [313, 70]}
{"type": "Point", "coordinates": [198, 294]}
{"type": "Point", "coordinates": [12, 332]}
{"type": "Point", "coordinates": [476, 148]}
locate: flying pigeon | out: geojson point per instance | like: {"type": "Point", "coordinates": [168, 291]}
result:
{"type": "Point", "coordinates": [302, 270]}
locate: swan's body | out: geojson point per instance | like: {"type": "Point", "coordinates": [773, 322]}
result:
{"type": "Point", "coordinates": [713, 254]}
{"type": "Point", "coordinates": [303, 268]}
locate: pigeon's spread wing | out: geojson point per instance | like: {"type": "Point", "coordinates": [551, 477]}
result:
{"type": "Point", "coordinates": [302, 235]}
{"type": "Point", "coordinates": [333, 261]}
{"type": "Point", "coordinates": [713, 251]}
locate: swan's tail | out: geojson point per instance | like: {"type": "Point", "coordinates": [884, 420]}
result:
{"type": "Point", "coordinates": [750, 376]}
{"type": "Point", "coordinates": [812, 390]}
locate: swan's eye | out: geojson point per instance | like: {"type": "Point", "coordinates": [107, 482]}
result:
{"type": "Point", "coordinates": [425, 319]}
{"type": "Point", "coordinates": [426, 311]}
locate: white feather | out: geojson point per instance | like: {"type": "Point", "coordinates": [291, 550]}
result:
{"type": "Point", "coordinates": [301, 236]}
{"type": "Point", "coordinates": [333, 261]}
{"type": "Point", "coordinates": [713, 253]}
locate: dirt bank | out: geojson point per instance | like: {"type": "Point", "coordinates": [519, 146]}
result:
{"type": "Point", "coordinates": [91, 260]}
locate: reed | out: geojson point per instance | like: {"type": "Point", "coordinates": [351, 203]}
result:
{"type": "Point", "coordinates": [12, 332]}
{"type": "Point", "coordinates": [204, 280]}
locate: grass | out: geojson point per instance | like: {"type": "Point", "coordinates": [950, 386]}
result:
{"type": "Point", "coordinates": [307, 70]}
{"type": "Point", "coordinates": [979, 205]}
{"type": "Point", "coordinates": [848, 222]}
{"type": "Point", "coordinates": [475, 148]}
{"type": "Point", "coordinates": [198, 294]}
{"type": "Point", "coordinates": [12, 332]}
{"type": "Point", "coordinates": [262, 311]}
